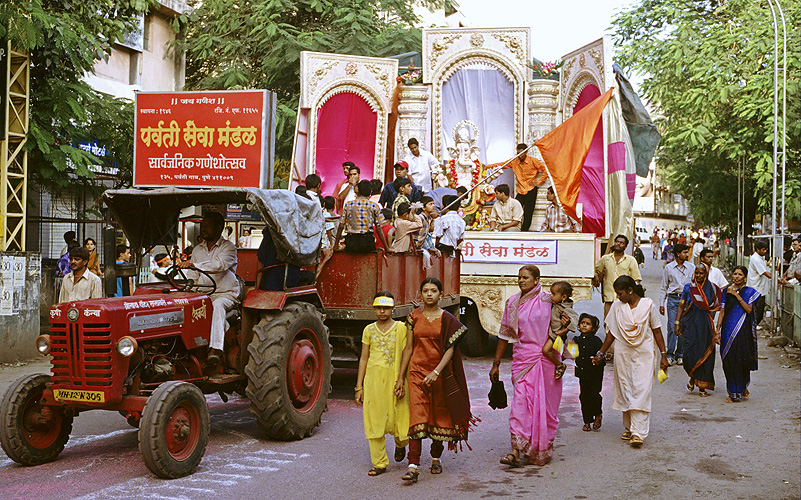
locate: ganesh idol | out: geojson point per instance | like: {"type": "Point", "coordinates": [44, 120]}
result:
{"type": "Point", "coordinates": [465, 169]}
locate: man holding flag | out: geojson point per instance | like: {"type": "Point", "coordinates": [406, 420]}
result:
{"type": "Point", "coordinates": [530, 174]}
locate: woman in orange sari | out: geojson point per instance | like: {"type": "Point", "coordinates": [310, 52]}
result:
{"type": "Point", "coordinates": [439, 405]}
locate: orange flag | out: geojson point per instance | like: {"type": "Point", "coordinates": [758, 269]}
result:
{"type": "Point", "coordinates": [565, 148]}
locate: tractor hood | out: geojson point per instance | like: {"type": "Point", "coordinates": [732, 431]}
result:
{"type": "Point", "coordinates": [295, 223]}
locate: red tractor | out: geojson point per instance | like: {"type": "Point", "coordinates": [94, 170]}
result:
{"type": "Point", "coordinates": [143, 355]}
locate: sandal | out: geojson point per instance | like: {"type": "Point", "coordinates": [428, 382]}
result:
{"type": "Point", "coordinates": [730, 400]}
{"type": "Point", "coordinates": [411, 475]}
{"type": "Point", "coordinates": [626, 435]}
{"type": "Point", "coordinates": [376, 471]}
{"type": "Point", "coordinates": [511, 460]}
{"type": "Point", "coordinates": [436, 466]}
{"type": "Point", "coordinates": [703, 393]}
{"type": "Point", "coordinates": [690, 385]}
{"type": "Point", "coordinates": [597, 424]}
{"type": "Point", "coordinates": [400, 454]}
{"type": "Point", "coordinates": [746, 394]}
{"type": "Point", "coordinates": [560, 370]}
{"type": "Point", "coordinates": [586, 428]}
{"type": "Point", "coordinates": [635, 441]}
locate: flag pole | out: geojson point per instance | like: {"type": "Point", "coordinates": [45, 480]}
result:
{"type": "Point", "coordinates": [490, 175]}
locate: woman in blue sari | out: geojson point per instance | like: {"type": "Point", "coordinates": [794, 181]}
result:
{"type": "Point", "coordinates": [694, 322]}
{"type": "Point", "coordinates": [737, 335]}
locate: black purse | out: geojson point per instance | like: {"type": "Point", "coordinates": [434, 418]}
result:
{"type": "Point", "coordinates": [497, 395]}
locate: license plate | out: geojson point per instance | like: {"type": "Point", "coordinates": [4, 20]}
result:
{"type": "Point", "coordinates": [82, 396]}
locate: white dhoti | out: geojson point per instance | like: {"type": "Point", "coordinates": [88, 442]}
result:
{"type": "Point", "coordinates": [221, 304]}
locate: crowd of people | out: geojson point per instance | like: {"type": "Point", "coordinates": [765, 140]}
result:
{"type": "Point", "coordinates": [407, 215]}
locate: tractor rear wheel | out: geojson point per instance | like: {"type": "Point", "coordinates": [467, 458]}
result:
{"type": "Point", "coordinates": [289, 371]}
{"type": "Point", "coordinates": [174, 429]}
{"type": "Point", "coordinates": [32, 433]}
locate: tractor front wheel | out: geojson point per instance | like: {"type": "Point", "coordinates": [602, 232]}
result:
{"type": "Point", "coordinates": [32, 433]}
{"type": "Point", "coordinates": [174, 429]}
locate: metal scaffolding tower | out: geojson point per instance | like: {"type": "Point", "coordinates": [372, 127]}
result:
{"type": "Point", "coordinates": [13, 159]}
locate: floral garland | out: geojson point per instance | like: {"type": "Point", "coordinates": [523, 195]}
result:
{"type": "Point", "coordinates": [453, 176]}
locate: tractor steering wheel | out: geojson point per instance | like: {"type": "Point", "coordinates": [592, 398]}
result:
{"type": "Point", "coordinates": [178, 279]}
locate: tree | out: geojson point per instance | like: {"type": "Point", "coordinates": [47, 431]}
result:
{"type": "Point", "coordinates": [65, 38]}
{"type": "Point", "coordinates": [708, 68]}
{"type": "Point", "coordinates": [234, 44]}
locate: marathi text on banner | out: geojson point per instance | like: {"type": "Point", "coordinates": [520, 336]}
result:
{"type": "Point", "coordinates": [510, 251]}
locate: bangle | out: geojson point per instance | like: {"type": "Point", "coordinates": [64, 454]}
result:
{"type": "Point", "coordinates": [435, 371]}
{"type": "Point", "coordinates": [663, 353]}
{"type": "Point", "coordinates": [496, 363]}
{"type": "Point", "coordinates": [677, 322]}
{"type": "Point", "coordinates": [357, 389]}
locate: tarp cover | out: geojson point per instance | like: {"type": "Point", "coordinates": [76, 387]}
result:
{"type": "Point", "coordinates": [295, 223]}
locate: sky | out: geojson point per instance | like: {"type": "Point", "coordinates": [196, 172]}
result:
{"type": "Point", "coordinates": [558, 27]}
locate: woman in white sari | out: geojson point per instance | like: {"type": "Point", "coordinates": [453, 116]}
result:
{"type": "Point", "coordinates": [634, 322]}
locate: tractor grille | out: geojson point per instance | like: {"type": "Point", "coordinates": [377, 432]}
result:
{"type": "Point", "coordinates": [81, 354]}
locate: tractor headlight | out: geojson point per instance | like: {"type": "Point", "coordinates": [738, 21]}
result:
{"type": "Point", "coordinates": [127, 346]}
{"type": "Point", "coordinates": [43, 344]}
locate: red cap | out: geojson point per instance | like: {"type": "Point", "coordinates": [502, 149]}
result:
{"type": "Point", "coordinates": [402, 164]}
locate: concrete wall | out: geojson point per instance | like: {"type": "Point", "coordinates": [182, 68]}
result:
{"type": "Point", "coordinates": [159, 70]}
{"type": "Point", "coordinates": [19, 304]}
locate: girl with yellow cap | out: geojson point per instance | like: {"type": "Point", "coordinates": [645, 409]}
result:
{"type": "Point", "coordinates": [381, 387]}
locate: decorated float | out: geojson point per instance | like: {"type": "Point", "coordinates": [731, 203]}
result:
{"type": "Point", "coordinates": [477, 95]}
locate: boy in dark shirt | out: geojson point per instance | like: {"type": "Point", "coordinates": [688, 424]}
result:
{"type": "Point", "coordinates": [590, 376]}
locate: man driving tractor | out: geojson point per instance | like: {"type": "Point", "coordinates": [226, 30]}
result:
{"type": "Point", "coordinates": [216, 256]}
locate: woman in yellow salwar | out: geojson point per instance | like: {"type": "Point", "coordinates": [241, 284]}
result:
{"type": "Point", "coordinates": [380, 387]}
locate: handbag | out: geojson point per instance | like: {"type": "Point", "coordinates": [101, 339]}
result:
{"type": "Point", "coordinates": [497, 395]}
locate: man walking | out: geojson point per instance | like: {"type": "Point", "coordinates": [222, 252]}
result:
{"type": "Point", "coordinates": [612, 266]}
{"type": "Point", "coordinates": [675, 275]}
{"type": "Point", "coordinates": [79, 284]}
{"type": "Point", "coordinates": [715, 275]}
{"type": "Point", "coordinates": [420, 162]}
{"type": "Point", "coordinates": [759, 277]}
{"type": "Point", "coordinates": [216, 256]}
{"type": "Point", "coordinates": [530, 174]}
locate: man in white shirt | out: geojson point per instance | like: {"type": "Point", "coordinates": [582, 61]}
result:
{"type": "Point", "coordinates": [216, 256]}
{"type": "Point", "coordinates": [420, 164]}
{"type": "Point", "coordinates": [697, 247]}
{"type": "Point", "coordinates": [348, 190]}
{"type": "Point", "coordinates": [675, 275]}
{"type": "Point", "coordinates": [507, 212]}
{"type": "Point", "coordinates": [759, 276]}
{"type": "Point", "coordinates": [79, 284]}
{"type": "Point", "coordinates": [715, 275]}
{"type": "Point", "coordinates": [449, 228]}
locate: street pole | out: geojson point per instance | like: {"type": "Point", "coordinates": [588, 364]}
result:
{"type": "Point", "coordinates": [775, 237]}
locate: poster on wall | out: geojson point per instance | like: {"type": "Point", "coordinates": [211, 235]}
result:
{"type": "Point", "coordinates": [204, 139]}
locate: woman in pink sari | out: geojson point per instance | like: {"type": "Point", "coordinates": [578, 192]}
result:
{"type": "Point", "coordinates": [533, 418]}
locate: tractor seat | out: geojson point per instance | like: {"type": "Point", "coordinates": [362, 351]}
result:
{"type": "Point", "coordinates": [235, 312]}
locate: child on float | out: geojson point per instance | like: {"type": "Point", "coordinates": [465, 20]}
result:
{"type": "Point", "coordinates": [562, 304]}
{"type": "Point", "coordinates": [381, 387]}
{"type": "Point", "coordinates": [590, 376]}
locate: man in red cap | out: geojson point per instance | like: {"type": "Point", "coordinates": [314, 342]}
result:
{"type": "Point", "coordinates": [389, 193]}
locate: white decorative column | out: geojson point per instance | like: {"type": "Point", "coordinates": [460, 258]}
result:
{"type": "Point", "coordinates": [542, 106]}
{"type": "Point", "coordinates": [412, 122]}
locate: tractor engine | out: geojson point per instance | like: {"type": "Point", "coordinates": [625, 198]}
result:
{"type": "Point", "coordinates": [105, 349]}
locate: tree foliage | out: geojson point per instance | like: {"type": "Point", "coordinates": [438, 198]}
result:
{"type": "Point", "coordinates": [708, 71]}
{"type": "Point", "coordinates": [65, 39]}
{"type": "Point", "coordinates": [234, 44]}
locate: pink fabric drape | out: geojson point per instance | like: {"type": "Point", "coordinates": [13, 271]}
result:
{"type": "Point", "coordinates": [533, 419]}
{"type": "Point", "coordinates": [592, 195]}
{"type": "Point", "coordinates": [346, 127]}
